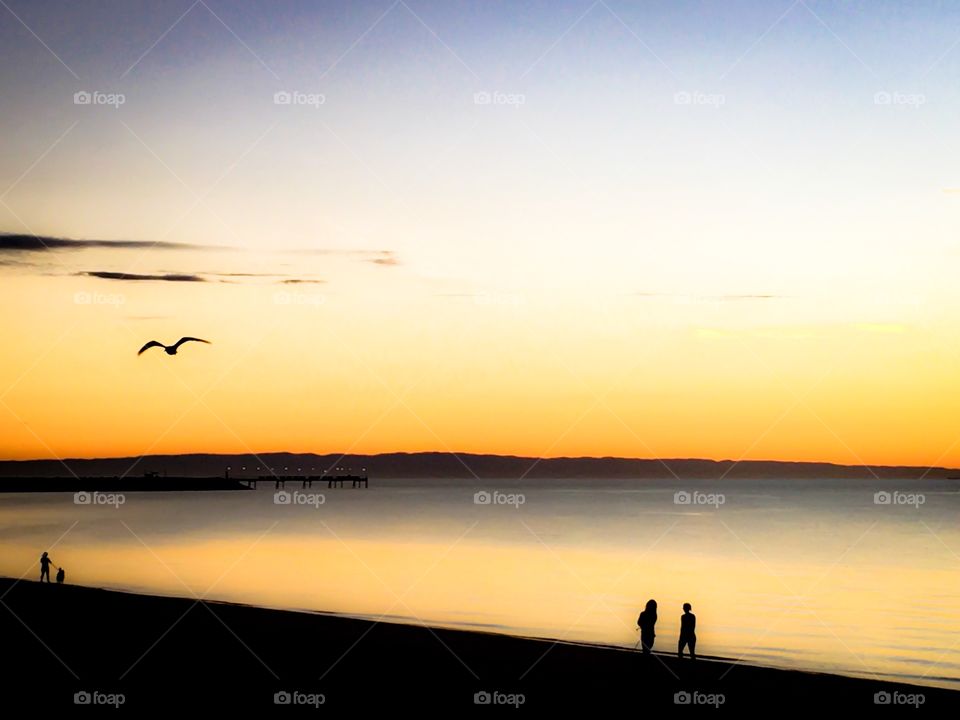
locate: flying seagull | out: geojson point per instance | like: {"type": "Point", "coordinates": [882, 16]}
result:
{"type": "Point", "coordinates": [171, 349]}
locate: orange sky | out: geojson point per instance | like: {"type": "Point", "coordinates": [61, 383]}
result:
{"type": "Point", "coordinates": [389, 362]}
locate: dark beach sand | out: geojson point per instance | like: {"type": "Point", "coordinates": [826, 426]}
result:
{"type": "Point", "coordinates": [175, 652]}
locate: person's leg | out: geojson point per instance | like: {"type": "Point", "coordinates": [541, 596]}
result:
{"type": "Point", "coordinates": [680, 645]}
{"type": "Point", "coordinates": [693, 648]}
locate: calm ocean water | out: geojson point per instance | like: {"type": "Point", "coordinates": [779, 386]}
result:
{"type": "Point", "coordinates": [812, 574]}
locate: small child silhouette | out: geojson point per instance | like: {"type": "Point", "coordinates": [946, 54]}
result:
{"type": "Point", "coordinates": [60, 576]}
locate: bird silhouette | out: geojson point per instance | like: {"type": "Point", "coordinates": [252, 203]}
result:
{"type": "Point", "coordinates": [170, 349]}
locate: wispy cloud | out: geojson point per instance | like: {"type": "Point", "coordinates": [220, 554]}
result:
{"type": "Point", "coordinates": [194, 277]}
{"type": "Point", "coordinates": [166, 277]}
{"type": "Point", "coordinates": [732, 297]}
{"type": "Point", "coordinates": [43, 243]}
{"type": "Point", "coordinates": [377, 257]}
{"type": "Point", "coordinates": [279, 278]}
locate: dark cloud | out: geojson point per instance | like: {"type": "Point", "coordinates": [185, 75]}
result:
{"type": "Point", "coordinates": [191, 277]}
{"type": "Point", "coordinates": [167, 277]}
{"type": "Point", "coordinates": [10, 242]}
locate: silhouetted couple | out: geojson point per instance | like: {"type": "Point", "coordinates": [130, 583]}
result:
{"type": "Point", "coordinates": [688, 625]}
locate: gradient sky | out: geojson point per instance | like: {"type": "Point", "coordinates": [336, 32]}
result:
{"type": "Point", "coordinates": [725, 230]}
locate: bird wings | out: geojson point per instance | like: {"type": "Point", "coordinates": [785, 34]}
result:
{"type": "Point", "coordinates": [182, 340]}
{"type": "Point", "coordinates": [152, 343]}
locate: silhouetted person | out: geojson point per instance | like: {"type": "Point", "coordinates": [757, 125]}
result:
{"type": "Point", "coordinates": [647, 621]}
{"type": "Point", "coordinates": [45, 563]}
{"type": "Point", "coordinates": [60, 576]}
{"type": "Point", "coordinates": [688, 635]}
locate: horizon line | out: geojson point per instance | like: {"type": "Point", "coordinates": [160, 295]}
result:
{"type": "Point", "coordinates": [452, 453]}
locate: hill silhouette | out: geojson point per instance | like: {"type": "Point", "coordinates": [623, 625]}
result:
{"type": "Point", "coordinates": [465, 466]}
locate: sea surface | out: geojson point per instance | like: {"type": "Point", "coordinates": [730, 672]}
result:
{"type": "Point", "coordinates": [855, 577]}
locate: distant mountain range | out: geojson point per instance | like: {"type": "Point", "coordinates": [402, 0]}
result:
{"type": "Point", "coordinates": [463, 466]}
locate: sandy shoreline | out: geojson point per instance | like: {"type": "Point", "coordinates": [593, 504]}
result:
{"type": "Point", "coordinates": [159, 651]}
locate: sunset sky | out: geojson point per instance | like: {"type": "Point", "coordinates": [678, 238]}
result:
{"type": "Point", "coordinates": [723, 230]}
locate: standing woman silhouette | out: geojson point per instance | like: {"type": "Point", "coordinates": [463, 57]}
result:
{"type": "Point", "coordinates": [647, 621]}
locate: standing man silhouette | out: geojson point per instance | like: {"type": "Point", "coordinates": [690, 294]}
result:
{"type": "Point", "coordinates": [45, 562]}
{"type": "Point", "coordinates": [688, 635]}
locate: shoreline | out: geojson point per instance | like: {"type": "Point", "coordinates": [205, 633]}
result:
{"type": "Point", "coordinates": [173, 651]}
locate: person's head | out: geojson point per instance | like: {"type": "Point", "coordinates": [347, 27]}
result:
{"type": "Point", "coordinates": [44, 555]}
{"type": "Point", "coordinates": [687, 607]}
{"type": "Point", "coordinates": [652, 605]}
